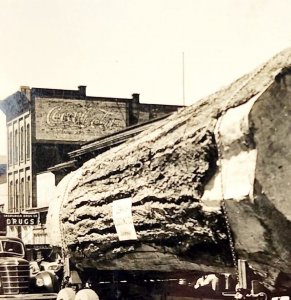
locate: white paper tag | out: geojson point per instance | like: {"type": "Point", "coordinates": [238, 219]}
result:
{"type": "Point", "coordinates": [122, 219]}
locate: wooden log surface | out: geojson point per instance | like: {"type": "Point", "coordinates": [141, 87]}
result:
{"type": "Point", "coordinates": [230, 148]}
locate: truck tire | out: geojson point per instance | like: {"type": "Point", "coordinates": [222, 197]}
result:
{"type": "Point", "coordinates": [86, 294]}
{"type": "Point", "coordinates": [66, 294]}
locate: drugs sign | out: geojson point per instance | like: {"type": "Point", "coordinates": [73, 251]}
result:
{"type": "Point", "coordinates": [3, 229]}
{"type": "Point", "coordinates": [21, 219]}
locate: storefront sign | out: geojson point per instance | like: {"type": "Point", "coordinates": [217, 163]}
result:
{"type": "Point", "coordinates": [3, 227]}
{"type": "Point", "coordinates": [21, 219]}
{"type": "Point", "coordinates": [38, 246]}
{"type": "Point", "coordinates": [122, 218]}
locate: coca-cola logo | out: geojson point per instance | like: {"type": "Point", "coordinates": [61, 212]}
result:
{"type": "Point", "coordinates": [82, 117]}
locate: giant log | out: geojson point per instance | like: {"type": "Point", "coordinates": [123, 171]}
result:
{"type": "Point", "coordinates": [208, 185]}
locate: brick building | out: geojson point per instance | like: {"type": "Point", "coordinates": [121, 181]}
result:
{"type": "Point", "coordinates": [3, 183]}
{"type": "Point", "coordinates": [43, 126]}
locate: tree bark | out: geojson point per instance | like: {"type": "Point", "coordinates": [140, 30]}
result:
{"type": "Point", "coordinates": [230, 149]}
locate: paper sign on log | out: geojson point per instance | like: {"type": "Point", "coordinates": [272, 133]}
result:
{"type": "Point", "coordinates": [122, 218]}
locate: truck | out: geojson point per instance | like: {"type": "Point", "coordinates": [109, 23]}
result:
{"type": "Point", "coordinates": [16, 280]}
{"type": "Point", "coordinates": [93, 284]}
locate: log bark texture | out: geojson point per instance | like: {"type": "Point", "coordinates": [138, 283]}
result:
{"type": "Point", "coordinates": [230, 149]}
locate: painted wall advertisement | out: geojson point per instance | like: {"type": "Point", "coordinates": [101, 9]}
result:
{"type": "Point", "coordinates": [77, 120]}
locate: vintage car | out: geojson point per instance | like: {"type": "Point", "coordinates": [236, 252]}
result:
{"type": "Point", "coordinates": [16, 278]}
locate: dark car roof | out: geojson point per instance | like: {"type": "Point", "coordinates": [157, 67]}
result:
{"type": "Point", "coordinates": [3, 237]}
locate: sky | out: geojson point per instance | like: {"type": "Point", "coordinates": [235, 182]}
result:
{"type": "Point", "coordinates": [120, 47]}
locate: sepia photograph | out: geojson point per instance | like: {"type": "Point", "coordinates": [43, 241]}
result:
{"type": "Point", "coordinates": [145, 150]}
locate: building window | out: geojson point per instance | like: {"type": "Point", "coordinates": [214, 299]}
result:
{"type": "Point", "coordinates": [28, 141]}
{"type": "Point", "coordinates": [27, 193]}
{"type": "Point", "coordinates": [10, 145]}
{"type": "Point", "coordinates": [16, 195]}
{"type": "Point", "coordinates": [10, 195]}
{"type": "Point", "coordinates": [16, 147]}
{"type": "Point", "coordinates": [21, 143]}
{"type": "Point", "coordinates": [21, 194]}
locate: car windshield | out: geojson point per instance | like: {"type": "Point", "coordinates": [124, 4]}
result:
{"type": "Point", "coordinates": [12, 247]}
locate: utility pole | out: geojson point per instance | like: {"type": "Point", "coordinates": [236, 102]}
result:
{"type": "Point", "coordinates": [183, 78]}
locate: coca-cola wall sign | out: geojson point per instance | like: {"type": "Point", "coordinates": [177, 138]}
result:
{"type": "Point", "coordinates": [77, 120]}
